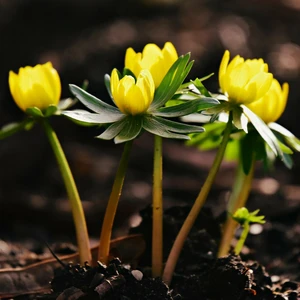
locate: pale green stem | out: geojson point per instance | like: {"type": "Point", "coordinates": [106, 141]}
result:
{"type": "Point", "coordinates": [157, 208]}
{"type": "Point", "coordinates": [238, 199]}
{"type": "Point", "coordinates": [191, 218]}
{"type": "Point", "coordinates": [76, 206]}
{"type": "Point", "coordinates": [241, 242]}
{"type": "Point", "coordinates": [111, 209]}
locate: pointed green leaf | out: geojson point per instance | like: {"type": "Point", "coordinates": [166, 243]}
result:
{"type": "Point", "coordinates": [92, 102]}
{"type": "Point", "coordinates": [113, 130]}
{"type": "Point", "coordinates": [107, 85]}
{"type": "Point", "coordinates": [153, 126]}
{"type": "Point", "coordinates": [93, 118]}
{"type": "Point", "coordinates": [284, 148]}
{"type": "Point", "coordinates": [287, 160]}
{"type": "Point", "coordinates": [248, 149]}
{"type": "Point", "coordinates": [199, 85]}
{"type": "Point", "coordinates": [186, 108]}
{"type": "Point", "coordinates": [171, 81]}
{"type": "Point", "coordinates": [264, 131]}
{"type": "Point", "coordinates": [240, 121]}
{"type": "Point", "coordinates": [289, 138]}
{"type": "Point", "coordinates": [66, 103]}
{"type": "Point", "coordinates": [132, 128]}
{"type": "Point", "coordinates": [178, 127]}
{"type": "Point", "coordinates": [34, 112]}
{"type": "Point", "coordinates": [13, 128]}
{"type": "Point", "coordinates": [127, 72]}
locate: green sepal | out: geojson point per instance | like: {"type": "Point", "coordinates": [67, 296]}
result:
{"type": "Point", "coordinates": [264, 131]}
{"type": "Point", "coordinates": [131, 129]}
{"type": "Point", "coordinates": [34, 112]}
{"type": "Point", "coordinates": [50, 110]}
{"type": "Point", "coordinates": [186, 108]}
{"type": "Point", "coordinates": [199, 85]}
{"type": "Point", "coordinates": [86, 118]}
{"type": "Point", "coordinates": [92, 102]}
{"type": "Point", "coordinates": [152, 125]}
{"type": "Point", "coordinates": [113, 130]}
{"type": "Point", "coordinates": [171, 82]}
{"type": "Point", "coordinates": [13, 128]}
{"type": "Point", "coordinates": [107, 85]}
{"type": "Point", "coordinates": [289, 138]}
{"type": "Point", "coordinates": [178, 127]}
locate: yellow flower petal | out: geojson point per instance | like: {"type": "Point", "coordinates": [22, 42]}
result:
{"type": "Point", "coordinates": [37, 86]}
{"type": "Point", "coordinates": [152, 58]}
{"type": "Point", "coordinates": [243, 81]}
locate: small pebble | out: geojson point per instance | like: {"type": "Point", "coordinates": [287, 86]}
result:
{"type": "Point", "coordinates": [138, 275]}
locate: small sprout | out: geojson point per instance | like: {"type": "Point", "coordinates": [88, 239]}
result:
{"type": "Point", "coordinates": [245, 218]}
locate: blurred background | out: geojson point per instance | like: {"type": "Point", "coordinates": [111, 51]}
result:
{"type": "Point", "coordinates": [85, 40]}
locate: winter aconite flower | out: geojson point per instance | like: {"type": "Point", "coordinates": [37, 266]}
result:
{"type": "Point", "coordinates": [244, 81]}
{"type": "Point", "coordinates": [140, 104]}
{"type": "Point", "coordinates": [37, 86]}
{"type": "Point", "coordinates": [157, 61]}
{"type": "Point", "coordinates": [132, 98]}
{"type": "Point", "coordinates": [271, 106]}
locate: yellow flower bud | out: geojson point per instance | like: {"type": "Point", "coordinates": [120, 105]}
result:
{"type": "Point", "coordinates": [271, 106]}
{"type": "Point", "coordinates": [37, 86]}
{"type": "Point", "coordinates": [157, 61]}
{"type": "Point", "coordinates": [132, 97]}
{"type": "Point", "coordinates": [244, 81]}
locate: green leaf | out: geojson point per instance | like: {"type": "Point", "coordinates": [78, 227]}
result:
{"type": "Point", "coordinates": [113, 130]}
{"type": "Point", "coordinates": [212, 132]}
{"type": "Point", "coordinates": [284, 148]}
{"type": "Point", "coordinates": [66, 103]}
{"type": "Point", "coordinates": [247, 153]}
{"type": "Point", "coordinates": [153, 126]}
{"type": "Point", "coordinates": [287, 160]}
{"type": "Point", "coordinates": [240, 121]}
{"type": "Point", "coordinates": [107, 85]}
{"type": "Point", "coordinates": [50, 110]}
{"type": "Point", "coordinates": [93, 118]}
{"type": "Point", "coordinates": [289, 138]}
{"type": "Point", "coordinates": [171, 81]}
{"type": "Point", "coordinates": [92, 102]}
{"type": "Point", "coordinates": [178, 127]}
{"type": "Point", "coordinates": [13, 128]}
{"type": "Point", "coordinates": [232, 151]}
{"type": "Point", "coordinates": [264, 131]}
{"type": "Point", "coordinates": [34, 112]}
{"type": "Point", "coordinates": [199, 85]}
{"type": "Point", "coordinates": [186, 108]}
{"type": "Point", "coordinates": [131, 129]}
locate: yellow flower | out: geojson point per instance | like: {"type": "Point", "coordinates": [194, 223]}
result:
{"type": "Point", "coordinates": [37, 86]}
{"type": "Point", "coordinates": [244, 81]}
{"type": "Point", "coordinates": [157, 61]}
{"type": "Point", "coordinates": [132, 97]}
{"type": "Point", "coordinates": [271, 106]}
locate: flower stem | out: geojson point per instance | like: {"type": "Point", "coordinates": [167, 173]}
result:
{"type": "Point", "coordinates": [241, 242]}
{"type": "Point", "coordinates": [76, 206]}
{"type": "Point", "coordinates": [157, 208]}
{"type": "Point", "coordinates": [238, 199]}
{"type": "Point", "coordinates": [191, 218]}
{"type": "Point", "coordinates": [110, 212]}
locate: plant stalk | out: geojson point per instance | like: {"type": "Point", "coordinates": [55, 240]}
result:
{"type": "Point", "coordinates": [191, 218]}
{"type": "Point", "coordinates": [75, 202]}
{"type": "Point", "coordinates": [157, 210]}
{"type": "Point", "coordinates": [110, 212]}
{"type": "Point", "coordinates": [238, 199]}
{"type": "Point", "coordinates": [242, 239]}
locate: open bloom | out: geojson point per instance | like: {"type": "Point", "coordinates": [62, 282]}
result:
{"type": "Point", "coordinates": [244, 81]}
{"type": "Point", "coordinates": [37, 86]}
{"type": "Point", "coordinates": [132, 98]}
{"type": "Point", "coordinates": [271, 106]}
{"type": "Point", "coordinates": [157, 61]}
